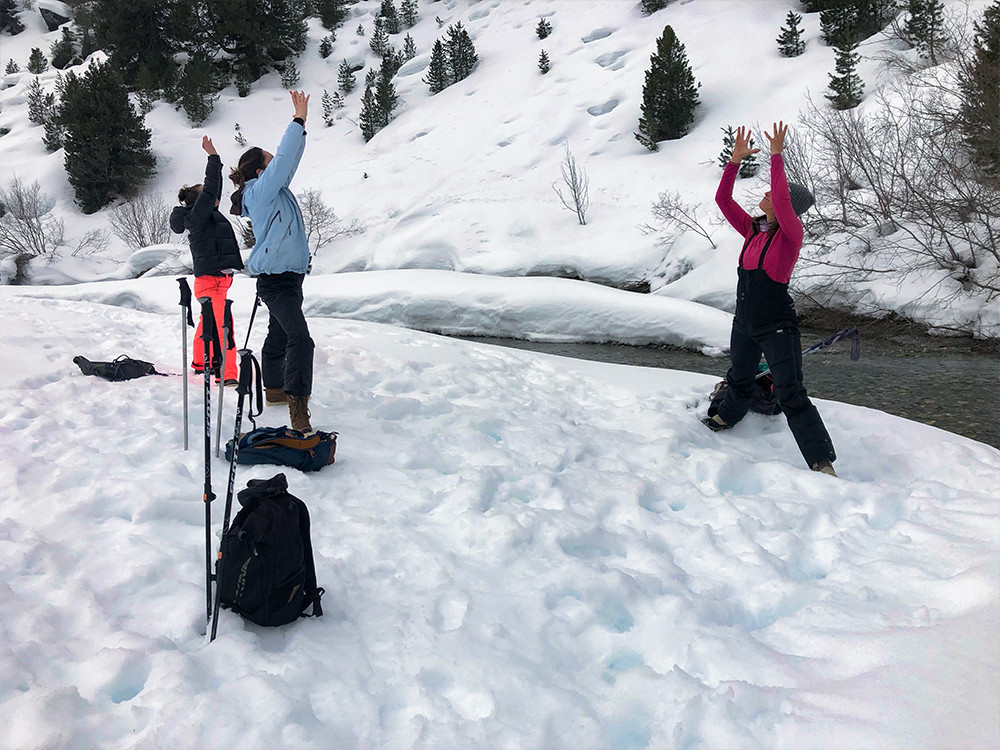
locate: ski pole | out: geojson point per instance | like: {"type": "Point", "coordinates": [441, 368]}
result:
{"type": "Point", "coordinates": [248, 369]}
{"type": "Point", "coordinates": [253, 314]}
{"type": "Point", "coordinates": [185, 304]}
{"type": "Point", "coordinates": [227, 342]}
{"type": "Point", "coordinates": [208, 337]}
{"type": "Point", "coordinates": [847, 333]}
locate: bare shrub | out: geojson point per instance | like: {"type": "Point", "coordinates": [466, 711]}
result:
{"type": "Point", "coordinates": [27, 227]}
{"type": "Point", "coordinates": [577, 198]}
{"type": "Point", "coordinates": [674, 214]}
{"type": "Point", "coordinates": [141, 221]}
{"type": "Point", "coordinates": [323, 225]}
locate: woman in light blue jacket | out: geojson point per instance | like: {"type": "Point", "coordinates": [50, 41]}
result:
{"type": "Point", "coordinates": [280, 260]}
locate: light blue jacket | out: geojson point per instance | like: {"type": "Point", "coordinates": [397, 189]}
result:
{"type": "Point", "coordinates": [274, 213]}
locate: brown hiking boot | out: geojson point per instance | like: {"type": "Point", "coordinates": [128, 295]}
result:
{"type": "Point", "coordinates": [298, 412]}
{"type": "Point", "coordinates": [824, 467]}
{"type": "Point", "coordinates": [275, 396]}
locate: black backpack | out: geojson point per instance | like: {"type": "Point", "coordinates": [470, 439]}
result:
{"type": "Point", "coordinates": [266, 572]}
{"type": "Point", "coordinates": [763, 401]}
{"type": "Point", "coordinates": [122, 368]}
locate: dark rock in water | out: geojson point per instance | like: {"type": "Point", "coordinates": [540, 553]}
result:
{"type": "Point", "coordinates": [52, 19]}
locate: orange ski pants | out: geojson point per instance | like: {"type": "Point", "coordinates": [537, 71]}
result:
{"type": "Point", "coordinates": [215, 287]}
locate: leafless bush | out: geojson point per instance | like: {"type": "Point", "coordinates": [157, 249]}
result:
{"type": "Point", "coordinates": [323, 225]}
{"type": "Point", "coordinates": [27, 227]}
{"type": "Point", "coordinates": [141, 221]}
{"type": "Point", "coordinates": [672, 213]}
{"type": "Point", "coordinates": [574, 177]}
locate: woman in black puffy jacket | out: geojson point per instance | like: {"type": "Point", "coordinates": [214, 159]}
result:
{"type": "Point", "coordinates": [214, 251]}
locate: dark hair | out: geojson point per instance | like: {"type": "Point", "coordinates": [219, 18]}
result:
{"type": "Point", "coordinates": [188, 194]}
{"type": "Point", "coordinates": [251, 161]}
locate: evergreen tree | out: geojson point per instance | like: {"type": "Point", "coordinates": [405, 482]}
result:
{"type": "Point", "coordinates": [197, 88]}
{"type": "Point", "coordinates": [146, 88]}
{"type": "Point", "coordinates": [728, 141]}
{"type": "Point", "coordinates": [243, 81]}
{"type": "Point", "coordinates": [543, 29]}
{"type": "Point", "coordinates": [360, 31]}
{"type": "Point", "coordinates": [12, 67]}
{"type": "Point", "coordinates": [790, 43]}
{"type": "Point", "coordinates": [326, 46]}
{"type": "Point", "coordinates": [257, 36]}
{"type": "Point", "coordinates": [649, 7]}
{"type": "Point", "coordinates": [338, 100]}
{"type": "Point", "coordinates": [368, 118]}
{"type": "Point", "coordinates": [979, 87]}
{"type": "Point", "coordinates": [846, 21]}
{"type": "Point", "coordinates": [241, 140]}
{"type": "Point", "coordinates": [55, 131]}
{"type": "Point", "coordinates": [437, 70]}
{"type": "Point", "coordinates": [327, 108]}
{"type": "Point", "coordinates": [9, 21]}
{"type": "Point", "coordinates": [669, 95]}
{"type": "Point", "coordinates": [345, 77]}
{"type": "Point", "coordinates": [462, 57]}
{"type": "Point", "coordinates": [379, 41]}
{"type": "Point", "coordinates": [390, 18]}
{"type": "Point", "coordinates": [37, 62]}
{"type": "Point", "coordinates": [408, 13]}
{"type": "Point", "coordinates": [409, 48]}
{"type": "Point", "coordinates": [846, 87]}
{"type": "Point", "coordinates": [543, 63]}
{"type": "Point", "coordinates": [332, 13]}
{"type": "Point", "coordinates": [134, 34]}
{"type": "Point", "coordinates": [924, 27]}
{"type": "Point", "coordinates": [107, 147]}
{"type": "Point", "coordinates": [63, 51]}
{"type": "Point", "coordinates": [385, 93]}
{"type": "Point", "coordinates": [290, 75]}
{"type": "Point", "coordinates": [36, 101]}
{"type": "Point", "coordinates": [370, 77]}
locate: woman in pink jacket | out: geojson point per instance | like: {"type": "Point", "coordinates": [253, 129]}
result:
{"type": "Point", "coordinates": [765, 322]}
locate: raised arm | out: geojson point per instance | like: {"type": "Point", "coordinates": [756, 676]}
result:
{"type": "Point", "coordinates": [286, 158]}
{"type": "Point", "coordinates": [740, 220]}
{"type": "Point", "coordinates": [781, 201]}
{"type": "Point", "coordinates": [211, 189]}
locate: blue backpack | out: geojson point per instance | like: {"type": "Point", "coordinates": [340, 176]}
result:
{"type": "Point", "coordinates": [284, 446]}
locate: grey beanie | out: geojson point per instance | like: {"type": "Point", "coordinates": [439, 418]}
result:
{"type": "Point", "coordinates": [802, 199]}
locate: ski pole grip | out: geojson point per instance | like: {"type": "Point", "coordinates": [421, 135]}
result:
{"type": "Point", "coordinates": [228, 323]}
{"type": "Point", "coordinates": [186, 298]}
{"type": "Point", "coordinates": [208, 332]}
{"type": "Point", "coordinates": [246, 372]}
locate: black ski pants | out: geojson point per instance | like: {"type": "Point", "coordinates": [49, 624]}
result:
{"type": "Point", "coordinates": [286, 358]}
{"type": "Point", "coordinates": [782, 348]}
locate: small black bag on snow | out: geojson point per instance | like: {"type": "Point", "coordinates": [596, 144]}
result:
{"type": "Point", "coordinates": [284, 446]}
{"type": "Point", "coordinates": [122, 368]}
{"type": "Point", "coordinates": [266, 572]}
{"type": "Point", "coordinates": [763, 401]}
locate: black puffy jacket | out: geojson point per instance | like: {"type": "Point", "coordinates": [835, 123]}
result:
{"type": "Point", "coordinates": [213, 243]}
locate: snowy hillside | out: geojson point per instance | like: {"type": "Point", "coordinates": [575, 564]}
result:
{"type": "Point", "coordinates": [463, 180]}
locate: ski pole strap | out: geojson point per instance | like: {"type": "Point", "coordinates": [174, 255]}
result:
{"type": "Point", "coordinates": [209, 331]}
{"type": "Point", "coordinates": [250, 381]}
{"type": "Point", "coordinates": [186, 298]}
{"type": "Point", "coordinates": [228, 318]}
{"type": "Point", "coordinates": [253, 314]}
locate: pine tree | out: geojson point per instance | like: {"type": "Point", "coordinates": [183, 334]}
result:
{"type": "Point", "coordinates": [390, 18]}
{"type": "Point", "coordinates": [36, 101]}
{"type": "Point", "coordinates": [543, 29]}
{"type": "Point", "coordinates": [243, 81]}
{"type": "Point", "coordinates": [9, 21]}
{"type": "Point", "coordinates": [979, 86]}
{"type": "Point", "coordinates": [728, 141]}
{"type": "Point", "coordinates": [107, 147]}
{"type": "Point", "coordinates": [257, 36]}
{"type": "Point", "coordinates": [146, 89]}
{"type": "Point", "coordinates": [385, 93]}
{"type": "Point", "coordinates": [462, 57]}
{"type": "Point", "coordinates": [332, 13]}
{"type": "Point", "coordinates": [846, 87]}
{"type": "Point", "coordinates": [290, 75]}
{"type": "Point", "coordinates": [326, 46]}
{"type": "Point", "coordinates": [327, 108]}
{"type": "Point", "coordinates": [392, 61]}
{"type": "Point", "coordinates": [345, 77]}
{"type": "Point", "coordinates": [63, 51]}
{"type": "Point", "coordinates": [360, 31]}
{"type": "Point", "coordinates": [368, 118]}
{"type": "Point", "coordinates": [37, 62]}
{"type": "Point", "coordinates": [543, 63]}
{"type": "Point", "coordinates": [55, 131]}
{"type": "Point", "coordinates": [669, 95]}
{"type": "Point", "coordinates": [197, 88]}
{"type": "Point", "coordinates": [790, 43]}
{"type": "Point", "coordinates": [12, 67]}
{"type": "Point", "coordinates": [437, 70]}
{"type": "Point", "coordinates": [134, 34]}
{"type": "Point", "coordinates": [924, 27]}
{"type": "Point", "coordinates": [649, 7]}
{"type": "Point", "coordinates": [409, 48]}
{"type": "Point", "coordinates": [379, 41]}
{"type": "Point", "coordinates": [238, 136]}
{"type": "Point", "coordinates": [338, 100]}
{"type": "Point", "coordinates": [408, 13]}
{"type": "Point", "coordinates": [370, 78]}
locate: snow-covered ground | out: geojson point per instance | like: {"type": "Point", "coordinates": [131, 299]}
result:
{"type": "Point", "coordinates": [519, 551]}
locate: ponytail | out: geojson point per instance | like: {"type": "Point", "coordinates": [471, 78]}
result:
{"type": "Point", "coordinates": [188, 194]}
{"type": "Point", "coordinates": [250, 163]}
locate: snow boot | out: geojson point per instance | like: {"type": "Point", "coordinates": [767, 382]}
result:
{"type": "Point", "coordinates": [298, 413]}
{"type": "Point", "coordinates": [715, 423]}
{"type": "Point", "coordinates": [824, 467]}
{"type": "Point", "coordinates": [275, 396]}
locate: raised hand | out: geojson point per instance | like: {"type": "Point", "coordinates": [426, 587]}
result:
{"type": "Point", "coordinates": [206, 143]}
{"type": "Point", "coordinates": [777, 141]}
{"type": "Point", "coordinates": [300, 102]}
{"type": "Point", "coordinates": [741, 147]}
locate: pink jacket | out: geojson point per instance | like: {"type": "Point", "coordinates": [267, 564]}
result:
{"type": "Point", "coordinates": [784, 250]}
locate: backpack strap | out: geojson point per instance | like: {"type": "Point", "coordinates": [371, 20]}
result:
{"type": "Point", "coordinates": [312, 591]}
